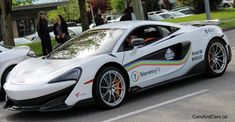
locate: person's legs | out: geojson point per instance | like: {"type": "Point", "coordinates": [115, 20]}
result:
{"type": "Point", "coordinates": [44, 50]}
{"type": "Point", "coordinates": [48, 46]}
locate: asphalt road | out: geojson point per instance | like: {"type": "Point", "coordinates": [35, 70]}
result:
{"type": "Point", "coordinates": [182, 101]}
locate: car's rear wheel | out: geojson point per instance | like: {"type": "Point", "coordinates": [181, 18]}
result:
{"type": "Point", "coordinates": [216, 58]}
{"type": "Point", "coordinates": [109, 88]}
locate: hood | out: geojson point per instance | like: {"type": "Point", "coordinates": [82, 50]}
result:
{"type": "Point", "coordinates": [40, 71]}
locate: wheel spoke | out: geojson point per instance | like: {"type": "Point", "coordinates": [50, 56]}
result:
{"type": "Point", "coordinates": [218, 52]}
{"type": "Point", "coordinates": [114, 98]}
{"type": "Point", "coordinates": [213, 65]}
{"type": "Point", "coordinates": [220, 56]}
{"type": "Point", "coordinates": [105, 94]}
{"type": "Point", "coordinates": [216, 67]}
{"type": "Point", "coordinates": [219, 65]}
{"type": "Point", "coordinates": [115, 77]}
{"type": "Point", "coordinates": [220, 61]}
{"type": "Point", "coordinates": [104, 87]}
{"type": "Point", "coordinates": [109, 97]}
{"type": "Point", "coordinates": [110, 78]}
{"type": "Point", "coordinates": [106, 81]}
{"type": "Point", "coordinates": [117, 93]}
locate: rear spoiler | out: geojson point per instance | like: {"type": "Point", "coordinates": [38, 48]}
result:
{"type": "Point", "coordinates": [202, 23]}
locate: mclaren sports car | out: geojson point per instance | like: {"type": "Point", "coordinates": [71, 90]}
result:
{"type": "Point", "coordinates": [106, 63]}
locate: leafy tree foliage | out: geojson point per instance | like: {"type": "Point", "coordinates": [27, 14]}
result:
{"type": "Point", "coordinates": [118, 5]}
{"type": "Point", "coordinates": [70, 11]}
{"type": "Point", "coordinates": [16, 3]}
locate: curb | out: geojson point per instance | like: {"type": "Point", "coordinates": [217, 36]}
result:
{"type": "Point", "coordinates": [229, 29]}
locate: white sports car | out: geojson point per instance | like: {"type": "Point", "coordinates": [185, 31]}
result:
{"type": "Point", "coordinates": [9, 58]}
{"type": "Point", "coordinates": [105, 63]}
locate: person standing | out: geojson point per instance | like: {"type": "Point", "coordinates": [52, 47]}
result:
{"type": "Point", "coordinates": [99, 18]}
{"type": "Point", "coordinates": [129, 13]}
{"type": "Point", "coordinates": [61, 30]}
{"type": "Point", "coordinates": [43, 33]}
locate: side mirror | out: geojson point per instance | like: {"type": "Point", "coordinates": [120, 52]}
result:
{"type": "Point", "coordinates": [138, 42]}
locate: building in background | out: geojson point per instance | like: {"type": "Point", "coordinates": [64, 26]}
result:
{"type": "Point", "coordinates": [24, 18]}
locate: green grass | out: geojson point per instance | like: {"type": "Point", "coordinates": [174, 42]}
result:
{"type": "Point", "coordinates": [37, 47]}
{"type": "Point", "coordinates": [224, 14]}
{"type": "Point", "coordinates": [228, 24]}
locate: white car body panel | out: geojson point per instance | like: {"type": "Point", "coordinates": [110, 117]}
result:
{"type": "Point", "coordinates": [11, 57]}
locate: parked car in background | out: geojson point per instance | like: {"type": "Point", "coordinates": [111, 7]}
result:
{"type": "Point", "coordinates": [157, 12]}
{"type": "Point", "coordinates": [9, 58]}
{"type": "Point", "coordinates": [172, 15]}
{"type": "Point", "coordinates": [226, 3]}
{"type": "Point", "coordinates": [155, 17]}
{"type": "Point", "coordinates": [73, 31]}
{"type": "Point", "coordinates": [19, 41]}
{"type": "Point", "coordinates": [184, 10]}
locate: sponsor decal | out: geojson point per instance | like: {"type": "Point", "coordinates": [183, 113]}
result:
{"type": "Point", "coordinates": [136, 75]}
{"type": "Point", "coordinates": [197, 55]}
{"type": "Point", "coordinates": [169, 54]}
{"type": "Point", "coordinates": [139, 63]}
{"type": "Point", "coordinates": [198, 52]}
{"type": "Point", "coordinates": [80, 94]}
{"type": "Point", "coordinates": [87, 82]}
{"type": "Point", "coordinates": [197, 58]}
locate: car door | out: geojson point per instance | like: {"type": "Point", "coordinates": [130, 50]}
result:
{"type": "Point", "coordinates": [147, 63]}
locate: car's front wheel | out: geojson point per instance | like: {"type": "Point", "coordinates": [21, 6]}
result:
{"type": "Point", "coordinates": [109, 88]}
{"type": "Point", "coordinates": [216, 58]}
{"type": "Point", "coordinates": [4, 77]}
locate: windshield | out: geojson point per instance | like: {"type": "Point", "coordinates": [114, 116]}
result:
{"type": "Point", "coordinates": [99, 41]}
{"type": "Point", "coordinates": [177, 14]}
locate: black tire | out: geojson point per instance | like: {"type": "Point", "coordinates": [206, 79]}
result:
{"type": "Point", "coordinates": [210, 72]}
{"type": "Point", "coordinates": [226, 5]}
{"type": "Point", "coordinates": [4, 76]}
{"type": "Point", "coordinates": [99, 100]}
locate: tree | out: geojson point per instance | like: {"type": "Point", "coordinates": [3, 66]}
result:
{"type": "Point", "coordinates": [152, 5]}
{"type": "Point", "coordinates": [70, 11]}
{"type": "Point", "coordinates": [83, 14]}
{"type": "Point", "coordinates": [16, 3]}
{"type": "Point", "coordinates": [118, 5]}
{"type": "Point", "coordinates": [6, 22]}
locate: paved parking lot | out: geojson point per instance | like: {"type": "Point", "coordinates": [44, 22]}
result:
{"type": "Point", "coordinates": [195, 99]}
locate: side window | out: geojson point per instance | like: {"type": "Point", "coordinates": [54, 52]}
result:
{"type": "Point", "coordinates": [150, 34]}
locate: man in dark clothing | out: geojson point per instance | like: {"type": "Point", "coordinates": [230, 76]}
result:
{"type": "Point", "coordinates": [128, 12]}
{"type": "Point", "coordinates": [43, 33]}
{"type": "Point", "coordinates": [99, 19]}
{"type": "Point", "coordinates": [128, 15]}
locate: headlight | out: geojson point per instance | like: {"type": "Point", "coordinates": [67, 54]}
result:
{"type": "Point", "coordinates": [73, 74]}
{"type": "Point", "coordinates": [31, 54]}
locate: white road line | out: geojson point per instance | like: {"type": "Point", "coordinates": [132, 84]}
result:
{"type": "Point", "coordinates": [233, 48]}
{"type": "Point", "coordinates": [155, 106]}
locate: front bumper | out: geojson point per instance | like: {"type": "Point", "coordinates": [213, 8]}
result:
{"type": "Point", "coordinates": [51, 102]}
